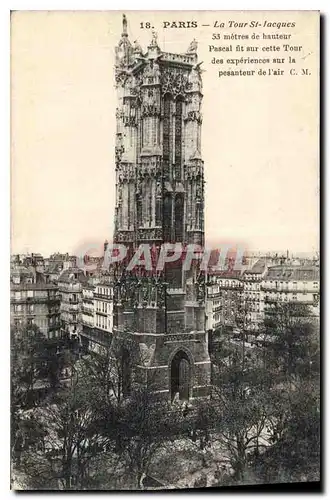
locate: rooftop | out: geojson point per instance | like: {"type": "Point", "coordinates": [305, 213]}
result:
{"type": "Point", "coordinates": [258, 268]}
{"type": "Point", "coordinates": [74, 274]}
{"type": "Point", "coordinates": [33, 286]}
{"type": "Point", "coordinates": [292, 273]}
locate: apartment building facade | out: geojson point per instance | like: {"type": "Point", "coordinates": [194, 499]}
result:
{"type": "Point", "coordinates": [242, 302]}
{"type": "Point", "coordinates": [34, 301]}
{"type": "Point", "coordinates": [291, 284]}
{"type": "Point", "coordinates": [224, 300]}
{"type": "Point", "coordinates": [70, 284]}
{"type": "Point", "coordinates": [97, 316]}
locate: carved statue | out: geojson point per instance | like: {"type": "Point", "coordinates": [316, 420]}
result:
{"type": "Point", "coordinates": [124, 25]}
{"type": "Point", "coordinates": [161, 291]}
{"type": "Point", "coordinates": [199, 191]}
{"type": "Point", "coordinates": [200, 288]}
{"type": "Point", "coordinates": [194, 77]}
{"type": "Point", "coordinates": [150, 97]}
{"type": "Point", "coordinates": [138, 190]}
{"type": "Point", "coordinates": [120, 196]}
{"type": "Point", "coordinates": [156, 70]}
{"type": "Point", "coordinates": [152, 69]}
{"type": "Point", "coordinates": [154, 39]}
{"type": "Point", "coordinates": [137, 47]}
{"type": "Point", "coordinates": [119, 152]}
{"type": "Point", "coordinates": [123, 290]}
{"type": "Point", "coordinates": [193, 46]}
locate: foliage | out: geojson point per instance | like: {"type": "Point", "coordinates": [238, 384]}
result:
{"type": "Point", "coordinates": [241, 406]}
{"type": "Point", "coordinates": [144, 429]}
{"type": "Point", "coordinates": [268, 409]}
{"type": "Point", "coordinates": [73, 436]}
{"type": "Point", "coordinates": [293, 350]}
{"type": "Point", "coordinates": [35, 366]}
{"type": "Point", "coordinates": [104, 428]}
{"type": "Point", "coordinates": [293, 359]}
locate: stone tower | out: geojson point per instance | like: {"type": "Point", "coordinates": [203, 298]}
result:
{"type": "Point", "coordinates": [160, 199]}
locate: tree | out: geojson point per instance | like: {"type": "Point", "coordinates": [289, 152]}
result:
{"type": "Point", "coordinates": [292, 358]}
{"type": "Point", "coordinates": [293, 347]}
{"type": "Point", "coordinates": [27, 345]}
{"type": "Point", "coordinates": [111, 368]}
{"type": "Point", "coordinates": [137, 420]}
{"type": "Point", "coordinates": [265, 401]}
{"type": "Point", "coordinates": [72, 435]}
{"type": "Point", "coordinates": [34, 360]}
{"type": "Point", "coordinates": [89, 421]}
{"type": "Point", "coordinates": [240, 404]}
{"type": "Point", "coordinates": [295, 452]}
{"type": "Point", "coordinates": [144, 430]}
{"type": "Point", "coordinates": [241, 409]}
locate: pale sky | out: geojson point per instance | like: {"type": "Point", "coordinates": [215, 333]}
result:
{"type": "Point", "coordinates": [259, 135]}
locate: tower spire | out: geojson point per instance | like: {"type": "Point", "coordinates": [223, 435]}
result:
{"type": "Point", "coordinates": [124, 33]}
{"type": "Point", "coordinates": [124, 50]}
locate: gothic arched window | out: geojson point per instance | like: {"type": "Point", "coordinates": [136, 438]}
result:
{"type": "Point", "coordinates": [167, 218]}
{"type": "Point", "coordinates": [139, 208]}
{"type": "Point", "coordinates": [178, 217]}
{"type": "Point", "coordinates": [125, 206]}
{"type": "Point", "coordinates": [166, 133]}
{"type": "Point", "coordinates": [178, 137]}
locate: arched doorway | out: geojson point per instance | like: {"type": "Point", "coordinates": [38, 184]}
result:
{"type": "Point", "coordinates": [180, 376]}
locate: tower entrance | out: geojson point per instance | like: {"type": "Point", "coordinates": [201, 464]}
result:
{"type": "Point", "coordinates": [180, 377]}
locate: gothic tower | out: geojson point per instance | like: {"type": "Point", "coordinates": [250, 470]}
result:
{"type": "Point", "coordinates": [160, 199]}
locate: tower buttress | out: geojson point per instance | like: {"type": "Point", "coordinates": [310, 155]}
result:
{"type": "Point", "coordinates": [160, 199]}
